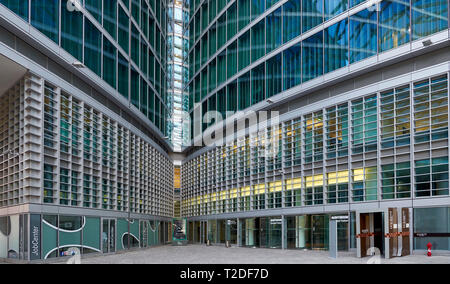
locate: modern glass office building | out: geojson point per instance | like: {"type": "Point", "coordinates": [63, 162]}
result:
{"type": "Point", "coordinates": [104, 105]}
{"type": "Point", "coordinates": [83, 97]}
{"type": "Point", "coordinates": [361, 89]}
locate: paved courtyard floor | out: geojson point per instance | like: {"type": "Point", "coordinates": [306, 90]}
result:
{"type": "Point", "coordinates": [200, 254]}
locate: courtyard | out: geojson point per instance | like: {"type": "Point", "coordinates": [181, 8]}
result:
{"type": "Point", "coordinates": [201, 254]}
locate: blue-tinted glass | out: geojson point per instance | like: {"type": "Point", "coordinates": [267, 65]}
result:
{"type": "Point", "coordinates": [123, 74]}
{"type": "Point", "coordinates": [273, 28]}
{"type": "Point", "coordinates": [110, 16]}
{"type": "Point", "coordinates": [334, 7]}
{"type": "Point", "coordinates": [135, 44]}
{"type": "Point", "coordinates": [258, 84]}
{"type": "Point", "coordinates": [124, 30]}
{"type": "Point", "coordinates": [274, 74]}
{"type": "Point", "coordinates": [134, 88]}
{"type": "Point", "coordinates": [92, 48]}
{"type": "Point", "coordinates": [95, 8]}
{"type": "Point", "coordinates": [292, 67]}
{"type": "Point", "coordinates": [144, 98]}
{"type": "Point", "coordinates": [258, 40]}
{"type": "Point", "coordinates": [257, 8]}
{"type": "Point", "coordinates": [72, 31]}
{"type": "Point", "coordinates": [45, 17]}
{"type": "Point", "coordinates": [429, 17]}
{"type": "Point", "coordinates": [336, 46]}
{"type": "Point", "coordinates": [270, 3]}
{"type": "Point", "coordinates": [312, 14]}
{"type": "Point", "coordinates": [109, 62]}
{"type": "Point", "coordinates": [363, 35]}
{"type": "Point", "coordinates": [291, 20]}
{"type": "Point", "coordinates": [312, 58]}
{"type": "Point", "coordinates": [394, 24]}
{"type": "Point", "coordinates": [20, 7]}
{"type": "Point", "coordinates": [353, 3]}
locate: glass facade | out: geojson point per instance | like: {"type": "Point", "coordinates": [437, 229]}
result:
{"type": "Point", "coordinates": [107, 46]}
{"type": "Point", "coordinates": [389, 145]}
{"type": "Point", "coordinates": [318, 50]}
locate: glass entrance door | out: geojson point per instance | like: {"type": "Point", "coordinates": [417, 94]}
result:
{"type": "Point", "coordinates": [203, 232]}
{"type": "Point", "coordinates": [320, 232]}
{"type": "Point", "coordinates": [109, 236]}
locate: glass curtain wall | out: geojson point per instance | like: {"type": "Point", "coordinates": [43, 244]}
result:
{"type": "Point", "coordinates": [371, 31]}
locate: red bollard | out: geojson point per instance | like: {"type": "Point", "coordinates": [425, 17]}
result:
{"type": "Point", "coordinates": [429, 245]}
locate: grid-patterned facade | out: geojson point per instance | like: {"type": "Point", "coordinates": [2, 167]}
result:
{"type": "Point", "coordinates": [388, 145]}
{"type": "Point", "coordinates": [244, 52]}
{"type": "Point", "coordinates": [123, 43]}
{"type": "Point", "coordinates": [60, 150]}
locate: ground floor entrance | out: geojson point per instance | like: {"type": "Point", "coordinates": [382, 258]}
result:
{"type": "Point", "coordinates": [108, 235]}
{"type": "Point", "coordinates": [385, 233]}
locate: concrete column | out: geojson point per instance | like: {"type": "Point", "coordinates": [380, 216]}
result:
{"type": "Point", "coordinates": [239, 236]}
{"type": "Point", "coordinates": [283, 232]}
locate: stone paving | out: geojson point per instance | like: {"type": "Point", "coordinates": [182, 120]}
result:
{"type": "Point", "coordinates": [201, 254]}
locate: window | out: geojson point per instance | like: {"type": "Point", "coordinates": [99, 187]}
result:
{"type": "Point", "coordinates": [337, 191]}
{"type": "Point", "coordinates": [45, 17]}
{"type": "Point", "coordinates": [20, 7]}
{"type": "Point", "coordinates": [212, 76]}
{"type": "Point", "coordinates": [431, 109]}
{"type": "Point", "coordinates": [109, 62]}
{"type": "Point", "coordinates": [337, 131]}
{"type": "Point", "coordinates": [364, 184]}
{"type": "Point", "coordinates": [274, 75]}
{"type": "Point", "coordinates": [313, 194]}
{"type": "Point", "coordinates": [431, 176]}
{"type": "Point", "coordinates": [429, 17]}
{"type": "Point", "coordinates": [244, 91]}
{"type": "Point", "coordinates": [232, 97]}
{"type": "Point", "coordinates": [336, 46]}
{"type": "Point", "coordinates": [257, 8]}
{"type": "Point", "coordinates": [123, 76]}
{"type": "Point", "coordinates": [394, 24]}
{"type": "Point", "coordinates": [258, 84]}
{"type": "Point", "coordinates": [312, 58]}
{"type": "Point", "coordinates": [258, 41]}
{"type": "Point", "coordinates": [110, 16]}
{"type": "Point", "coordinates": [312, 14]}
{"type": "Point", "coordinates": [135, 45]}
{"type": "Point", "coordinates": [244, 13]}
{"type": "Point", "coordinates": [212, 40]}
{"type": "Point", "coordinates": [364, 125]}
{"type": "Point", "coordinates": [124, 30]}
{"type": "Point", "coordinates": [313, 140]}
{"type": "Point", "coordinates": [244, 50]}
{"type": "Point", "coordinates": [396, 180]}
{"type": "Point", "coordinates": [291, 20]}
{"type": "Point", "coordinates": [273, 30]}
{"type": "Point", "coordinates": [232, 60]}
{"type": "Point", "coordinates": [292, 67]}
{"type": "Point", "coordinates": [363, 35]}
{"type": "Point", "coordinates": [395, 117]}
{"type": "Point", "coordinates": [334, 7]}
{"type": "Point", "coordinates": [92, 48]}
{"type": "Point", "coordinates": [232, 21]}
